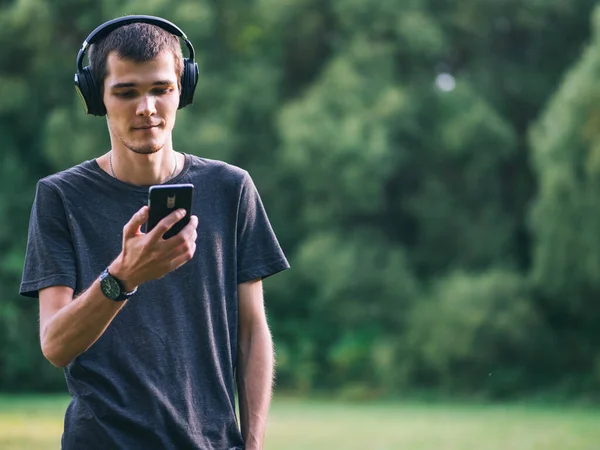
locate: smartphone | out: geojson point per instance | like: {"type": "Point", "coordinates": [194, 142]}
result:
{"type": "Point", "coordinates": [163, 200]}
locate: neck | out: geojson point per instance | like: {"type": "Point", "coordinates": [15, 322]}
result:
{"type": "Point", "coordinates": [142, 170]}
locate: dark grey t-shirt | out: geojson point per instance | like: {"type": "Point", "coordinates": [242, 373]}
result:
{"type": "Point", "coordinates": [162, 374]}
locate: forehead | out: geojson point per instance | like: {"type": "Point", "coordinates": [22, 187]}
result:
{"type": "Point", "coordinates": [147, 72]}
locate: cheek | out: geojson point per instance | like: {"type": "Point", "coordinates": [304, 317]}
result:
{"type": "Point", "coordinates": [171, 109]}
{"type": "Point", "coordinates": [116, 123]}
{"type": "Point", "coordinates": [113, 109]}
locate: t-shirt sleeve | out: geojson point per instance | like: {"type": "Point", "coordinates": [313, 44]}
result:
{"type": "Point", "coordinates": [50, 256]}
{"type": "Point", "coordinates": [259, 254]}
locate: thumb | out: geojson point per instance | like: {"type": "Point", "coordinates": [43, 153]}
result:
{"type": "Point", "coordinates": [133, 227]}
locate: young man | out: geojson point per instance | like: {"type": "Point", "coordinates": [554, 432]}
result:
{"type": "Point", "coordinates": [154, 366]}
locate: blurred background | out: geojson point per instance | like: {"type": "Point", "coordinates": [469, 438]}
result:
{"type": "Point", "coordinates": [431, 168]}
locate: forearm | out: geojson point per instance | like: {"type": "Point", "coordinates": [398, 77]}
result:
{"type": "Point", "coordinates": [255, 383]}
{"type": "Point", "coordinates": [76, 326]}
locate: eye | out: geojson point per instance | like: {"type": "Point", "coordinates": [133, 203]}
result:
{"type": "Point", "coordinates": [125, 94]}
{"type": "Point", "coordinates": [162, 91]}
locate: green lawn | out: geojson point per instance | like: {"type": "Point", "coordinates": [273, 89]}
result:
{"type": "Point", "coordinates": [35, 423]}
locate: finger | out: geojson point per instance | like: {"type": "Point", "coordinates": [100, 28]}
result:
{"type": "Point", "coordinates": [191, 226]}
{"type": "Point", "coordinates": [184, 257]}
{"type": "Point", "coordinates": [166, 223]}
{"type": "Point", "coordinates": [134, 226]}
{"type": "Point", "coordinates": [183, 240]}
{"type": "Point", "coordinates": [187, 233]}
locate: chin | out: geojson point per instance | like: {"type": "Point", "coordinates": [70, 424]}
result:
{"type": "Point", "coordinates": [145, 148]}
{"type": "Point", "coordinates": [143, 145]}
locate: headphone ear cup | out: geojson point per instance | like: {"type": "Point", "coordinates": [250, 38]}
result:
{"type": "Point", "coordinates": [189, 79]}
{"type": "Point", "coordinates": [89, 93]}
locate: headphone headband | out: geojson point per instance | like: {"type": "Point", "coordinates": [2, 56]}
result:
{"type": "Point", "coordinates": [105, 29]}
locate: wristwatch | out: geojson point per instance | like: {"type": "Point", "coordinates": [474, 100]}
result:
{"type": "Point", "coordinates": [112, 287]}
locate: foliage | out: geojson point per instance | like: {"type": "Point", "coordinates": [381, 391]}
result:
{"type": "Point", "coordinates": [433, 237]}
{"type": "Point", "coordinates": [566, 214]}
{"type": "Point", "coordinates": [488, 338]}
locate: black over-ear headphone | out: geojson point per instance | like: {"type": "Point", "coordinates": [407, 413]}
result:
{"type": "Point", "coordinates": [84, 79]}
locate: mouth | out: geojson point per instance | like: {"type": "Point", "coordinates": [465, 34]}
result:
{"type": "Point", "coordinates": [146, 127]}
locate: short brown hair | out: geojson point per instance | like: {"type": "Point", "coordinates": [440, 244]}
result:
{"type": "Point", "coordinates": [139, 42]}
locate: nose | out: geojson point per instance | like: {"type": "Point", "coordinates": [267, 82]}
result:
{"type": "Point", "coordinates": [146, 106]}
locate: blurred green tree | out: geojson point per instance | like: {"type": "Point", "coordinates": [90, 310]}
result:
{"type": "Point", "coordinates": [388, 140]}
{"type": "Point", "coordinates": [565, 217]}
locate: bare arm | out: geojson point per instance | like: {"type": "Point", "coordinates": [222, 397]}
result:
{"type": "Point", "coordinates": [68, 327]}
{"type": "Point", "coordinates": [255, 366]}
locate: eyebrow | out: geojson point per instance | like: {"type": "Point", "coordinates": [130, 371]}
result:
{"type": "Point", "coordinates": [130, 85]}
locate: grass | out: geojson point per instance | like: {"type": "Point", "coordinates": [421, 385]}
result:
{"type": "Point", "coordinates": [35, 423]}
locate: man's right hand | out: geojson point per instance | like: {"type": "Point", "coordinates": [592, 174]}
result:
{"type": "Point", "coordinates": [147, 256]}
{"type": "Point", "coordinates": [68, 327]}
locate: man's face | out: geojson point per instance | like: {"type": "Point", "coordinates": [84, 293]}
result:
{"type": "Point", "coordinates": [141, 100]}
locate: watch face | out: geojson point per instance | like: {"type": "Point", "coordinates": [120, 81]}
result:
{"type": "Point", "coordinates": [111, 288]}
